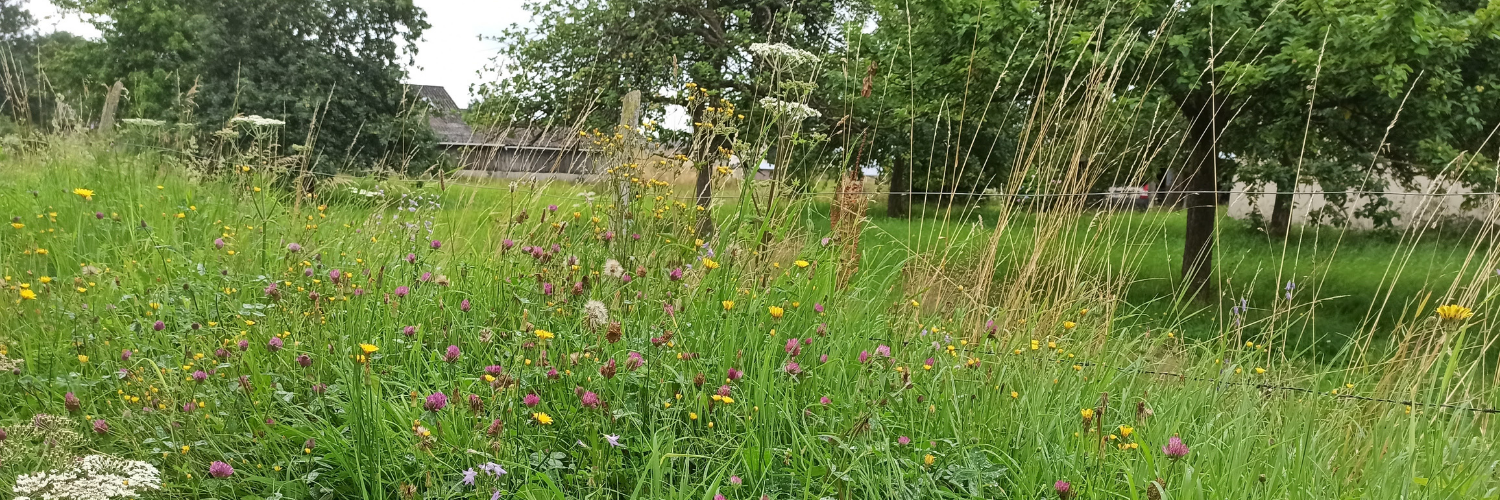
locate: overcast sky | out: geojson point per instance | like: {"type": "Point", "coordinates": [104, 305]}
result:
{"type": "Point", "coordinates": [450, 53]}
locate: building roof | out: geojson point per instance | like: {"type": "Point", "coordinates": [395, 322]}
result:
{"type": "Point", "coordinates": [445, 117]}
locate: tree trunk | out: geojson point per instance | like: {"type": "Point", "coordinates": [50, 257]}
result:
{"type": "Point", "coordinates": [1200, 179]}
{"type": "Point", "coordinates": [705, 192]}
{"type": "Point", "coordinates": [898, 202]}
{"type": "Point", "coordinates": [1281, 212]}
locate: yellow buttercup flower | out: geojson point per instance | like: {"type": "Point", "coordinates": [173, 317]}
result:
{"type": "Point", "coordinates": [802, 263]}
{"type": "Point", "coordinates": [709, 263]}
{"type": "Point", "coordinates": [83, 358]}
{"type": "Point", "coordinates": [1087, 412]}
{"type": "Point", "coordinates": [728, 304]}
{"type": "Point", "coordinates": [1454, 312]}
{"type": "Point", "coordinates": [929, 459]}
{"type": "Point", "coordinates": [776, 312]}
{"type": "Point", "coordinates": [1069, 325]}
{"type": "Point", "coordinates": [87, 194]}
{"type": "Point", "coordinates": [1126, 431]}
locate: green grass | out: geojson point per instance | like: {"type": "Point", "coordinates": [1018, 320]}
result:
{"type": "Point", "coordinates": [991, 417]}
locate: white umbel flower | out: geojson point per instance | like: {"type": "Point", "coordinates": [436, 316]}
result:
{"type": "Point", "coordinates": [95, 477]}
{"type": "Point", "coordinates": [794, 111]}
{"type": "Point", "coordinates": [780, 53]}
{"type": "Point", "coordinates": [258, 121]}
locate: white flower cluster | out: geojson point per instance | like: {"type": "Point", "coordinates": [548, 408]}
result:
{"type": "Point", "coordinates": [95, 477]}
{"type": "Point", "coordinates": [794, 111]}
{"type": "Point", "coordinates": [143, 122]}
{"type": "Point", "coordinates": [258, 121]}
{"type": "Point", "coordinates": [780, 53]}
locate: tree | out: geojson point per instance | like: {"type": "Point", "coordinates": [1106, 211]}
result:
{"type": "Point", "coordinates": [568, 72]}
{"type": "Point", "coordinates": [332, 69]}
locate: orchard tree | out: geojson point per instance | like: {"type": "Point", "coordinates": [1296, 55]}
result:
{"type": "Point", "coordinates": [571, 68]}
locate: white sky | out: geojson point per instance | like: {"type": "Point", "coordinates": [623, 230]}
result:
{"type": "Point", "coordinates": [450, 53]}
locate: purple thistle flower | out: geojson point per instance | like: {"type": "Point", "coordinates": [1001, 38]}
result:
{"type": "Point", "coordinates": [675, 274]}
{"type": "Point", "coordinates": [98, 215]}
{"type": "Point", "coordinates": [221, 353]}
{"type": "Point", "coordinates": [1064, 489]}
{"type": "Point", "coordinates": [159, 326]}
{"type": "Point", "coordinates": [436, 401]}
{"type": "Point", "coordinates": [411, 258]}
{"type": "Point", "coordinates": [818, 307]}
{"type": "Point", "coordinates": [125, 355]}
{"type": "Point", "coordinates": [71, 402]}
{"type": "Point", "coordinates": [609, 236]}
{"type": "Point", "coordinates": [464, 306]}
{"type": "Point", "coordinates": [220, 469]}
{"type": "Point", "coordinates": [452, 354]}
{"type": "Point", "coordinates": [308, 272]}
{"type": "Point", "coordinates": [199, 376]}
{"type": "Point", "coordinates": [304, 360]}
{"type": "Point", "coordinates": [275, 344]}
{"type": "Point", "coordinates": [551, 208]}
{"type": "Point", "coordinates": [494, 370]}
{"type": "Point", "coordinates": [436, 244]}
{"type": "Point", "coordinates": [244, 344]}
{"type": "Point", "coordinates": [823, 358]}
{"type": "Point", "coordinates": [402, 291]}
{"type": "Point", "coordinates": [546, 289]}
{"type": "Point", "coordinates": [625, 278]}
{"type": "Point", "coordinates": [426, 277]}
{"type": "Point", "coordinates": [824, 400]}
{"type": "Point", "coordinates": [578, 288]}
{"type": "Point", "coordinates": [634, 360]}
{"type": "Point", "coordinates": [101, 427]}
{"type": "Point", "coordinates": [293, 247]}
{"type": "Point", "coordinates": [219, 243]}
{"type": "Point", "coordinates": [189, 406]}
{"type": "Point", "coordinates": [1175, 448]}
{"type": "Point", "coordinates": [531, 400]}
{"type": "Point", "coordinates": [409, 330]}
{"type": "Point", "coordinates": [507, 244]}
{"type": "Point", "coordinates": [864, 356]}
{"type": "Point", "coordinates": [334, 275]}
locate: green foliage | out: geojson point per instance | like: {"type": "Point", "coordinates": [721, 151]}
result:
{"type": "Point", "coordinates": [331, 69]}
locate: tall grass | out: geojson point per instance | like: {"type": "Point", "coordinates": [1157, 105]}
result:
{"type": "Point", "coordinates": [979, 351]}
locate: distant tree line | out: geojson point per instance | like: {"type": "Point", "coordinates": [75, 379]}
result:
{"type": "Point", "coordinates": [332, 70]}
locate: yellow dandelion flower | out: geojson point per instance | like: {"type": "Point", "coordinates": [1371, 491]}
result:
{"type": "Point", "coordinates": [82, 358]}
{"type": "Point", "coordinates": [368, 348]}
{"type": "Point", "coordinates": [87, 194]}
{"type": "Point", "coordinates": [1454, 312]}
{"type": "Point", "coordinates": [1069, 325]}
{"type": "Point", "coordinates": [929, 459]}
{"type": "Point", "coordinates": [802, 263]}
{"type": "Point", "coordinates": [710, 264]}
{"type": "Point", "coordinates": [542, 418]}
{"type": "Point", "coordinates": [27, 294]}
{"type": "Point", "coordinates": [1087, 412]}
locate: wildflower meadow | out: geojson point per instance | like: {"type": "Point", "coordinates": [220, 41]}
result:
{"type": "Point", "coordinates": [175, 335]}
